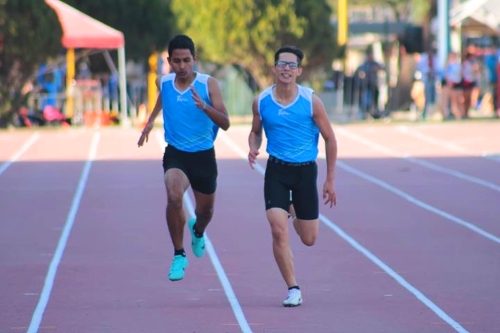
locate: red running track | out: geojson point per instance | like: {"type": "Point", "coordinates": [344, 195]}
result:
{"type": "Point", "coordinates": [413, 245]}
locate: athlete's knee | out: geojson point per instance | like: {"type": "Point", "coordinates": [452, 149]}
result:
{"type": "Point", "coordinates": [278, 222]}
{"type": "Point", "coordinates": [205, 213]}
{"type": "Point", "coordinates": [280, 237]}
{"type": "Point", "coordinates": [307, 231]}
{"type": "Point", "coordinates": [308, 240]}
{"type": "Point", "coordinates": [175, 203]}
{"type": "Point", "coordinates": [204, 205]}
{"type": "Point", "coordinates": [278, 230]}
{"type": "Point", "coordinates": [175, 199]}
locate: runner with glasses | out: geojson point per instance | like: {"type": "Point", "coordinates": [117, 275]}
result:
{"type": "Point", "coordinates": [292, 117]}
{"type": "Point", "coordinates": [282, 64]}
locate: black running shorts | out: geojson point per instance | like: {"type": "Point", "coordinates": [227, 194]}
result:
{"type": "Point", "coordinates": [200, 167]}
{"type": "Point", "coordinates": [282, 177]}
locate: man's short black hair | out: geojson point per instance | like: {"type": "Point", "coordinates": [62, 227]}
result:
{"type": "Point", "coordinates": [290, 49]}
{"type": "Point", "coordinates": [181, 42]}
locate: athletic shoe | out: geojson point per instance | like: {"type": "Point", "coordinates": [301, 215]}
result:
{"type": "Point", "coordinates": [294, 298]}
{"type": "Point", "coordinates": [197, 243]}
{"type": "Point", "coordinates": [179, 265]}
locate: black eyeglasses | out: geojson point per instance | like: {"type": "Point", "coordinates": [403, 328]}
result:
{"type": "Point", "coordinates": [283, 64]}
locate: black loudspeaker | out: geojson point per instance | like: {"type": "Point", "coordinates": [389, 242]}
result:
{"type": "Point", "coordinates": [413, 39]}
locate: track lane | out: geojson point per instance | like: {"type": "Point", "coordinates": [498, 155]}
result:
{"type": "Point", "coordinates": [318, 316]}
{"type": "Point", "coordinates": [468, 138]}
{"type": "Point", "coordinates": [117, 260]}
{"type": "Point", "coordinates": [97, 283]}
{"type": "Point", "coordinates": [14, 145]}
{"type": "Point", "coordinates": [448, 263]}
{"type": "Point", "coordinates": [460, 264]}
{"type": "Point", "coordinates": [475, 142]}
{"type": "Point", "coordinates": [35, 193]}
{"type": "Point", "coordinates": [460, 198]}
{"type": "Point", "coordinates": [370, 141]}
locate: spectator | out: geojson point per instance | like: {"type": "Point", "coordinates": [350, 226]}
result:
{"type": "Point", "coordinates": [453, 78]}
{"type": "Point", "coordinates": [470, 73]}
{"type": "Point", "coordinates": [490, 62]}
{"type": "Point", "coordinates": [367, 74]}
{"type": "Point", "coordinates": [428, 66]}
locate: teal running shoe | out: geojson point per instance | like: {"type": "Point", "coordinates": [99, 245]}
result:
{"type": "Point", "coordinates": [197, 243]}
{"type": "Point", "coordinates": [178, 267]}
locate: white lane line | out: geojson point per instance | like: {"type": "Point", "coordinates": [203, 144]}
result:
{"type": "Point", "coordinates": [418, 294]}
{"type": "Point", "coordinates": [492, 156]}
{"type": "Point", "coordinates": [417, 202]}
{"type": "Point", "coordinates": [70, 220]}
{"type": "Point", "coordinates": [447, 145]}
{"type": "Point", "coordinates": [421, 162]}
{"type": "Point", "coordinates": [19, 153]}
{"type": "Point", "coordinates": [394, 190]}
{"type": "Point", "coordinates": [224, 280]}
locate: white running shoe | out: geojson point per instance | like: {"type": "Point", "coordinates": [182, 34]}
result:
{"type": "Point", "coordinates": [294, 298]}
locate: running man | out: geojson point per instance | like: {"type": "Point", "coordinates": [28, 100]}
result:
{"type": "Point", "coordinates": [193, 110]}
{"type": "Point", "coordinates": [292, 117]}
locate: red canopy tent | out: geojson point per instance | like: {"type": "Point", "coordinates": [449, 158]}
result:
{"type": "Point", "coordinates": [83, 31]}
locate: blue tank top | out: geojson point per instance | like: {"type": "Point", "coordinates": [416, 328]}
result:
{"type": "Point", "coordinates": [187, 127]}
{"type": "Point", "coordinates": [292, 135]}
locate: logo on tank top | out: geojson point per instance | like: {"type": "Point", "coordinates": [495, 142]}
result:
{"type": "Point", "coordinates": [283, 113]}
{"type": "Point", "coordinates": [181, 98]}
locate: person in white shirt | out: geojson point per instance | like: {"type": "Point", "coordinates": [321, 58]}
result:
{"type": "Point", "coordinates": [453, 79]}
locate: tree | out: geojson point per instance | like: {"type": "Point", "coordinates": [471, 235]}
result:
{"type": "Point", "coordinates": [247, 32]}
{"type": "Point", "coordinates": [146, 24]}
{"type": "Point", "coordinates": [319, 40]}
{"type": "Point", "coordinates": [30, 34]}
{"type": "Point", "coordinates": [413, 10]}
{"type": "Point", "coordinates": [29, 30]}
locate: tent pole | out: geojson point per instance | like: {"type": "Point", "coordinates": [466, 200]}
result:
{"type": "Point", "coordinates": [70, 77]}
{"type": "Point", "coordinates": [152, 74]}
{"type": "Point", "coordinates": [125, 120]}
{"type": "Point", "coordinates": [443, 44]}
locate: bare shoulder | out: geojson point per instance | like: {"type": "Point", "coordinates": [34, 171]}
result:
{"type": "Point", "coordinates": [212, 81]}
{"type": "Point", "coordinates": [255, 100]}
{"type": "Point", "coordinates": [318, 105]}
{"type": "Point", "coordinates": [213, 85]}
